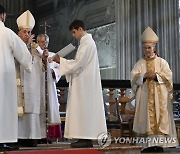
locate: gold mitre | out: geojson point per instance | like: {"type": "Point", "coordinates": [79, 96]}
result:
{"type": "Point", "coordinates": [149, 36]}
{"type": "Point", "coordinates": [25, 20]}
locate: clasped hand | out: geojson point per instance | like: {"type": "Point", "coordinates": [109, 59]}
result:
{"type": "Point", "coordinates": [151, 75]}
{"type": "Point", "coordinates": [30, 40]}
{"type": "Point", "coordinates": [45, 54]}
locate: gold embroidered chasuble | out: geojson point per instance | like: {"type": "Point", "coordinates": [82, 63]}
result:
{"type": "Point", "coordinates": [153, 111]}
{"type": "Point", "coordinates": [152, 97]}
{"type": "Point", "coordinates": [154, 129]}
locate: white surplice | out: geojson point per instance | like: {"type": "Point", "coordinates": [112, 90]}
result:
{"type": "Point", "coordinates": [85, 115]}
{"type": "Point", "coordinates": [163, 104]}
{"type": "Point", "coordinates": [32, 125]}
{"type": "Point", "coordinates": [11, 46]}
{"type": "Point", "coordinates": [53, 103]}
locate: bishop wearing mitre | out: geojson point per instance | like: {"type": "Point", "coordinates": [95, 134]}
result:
{"type": "Point", "coordinates": [32, 119]}
{"type": "Point", "coordinates": [151, 80]}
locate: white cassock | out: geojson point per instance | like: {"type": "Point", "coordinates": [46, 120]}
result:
{"type": "Point", "coordinates": [85, 115]}
{"type": "Point", "coordinates": [11, 46]}
{"type": "Point", "coordinates": [53, 103]}
{"type": "Point", "coordinates": [160, 114]}
{"type": "Point", "coordinates": [32, 125]}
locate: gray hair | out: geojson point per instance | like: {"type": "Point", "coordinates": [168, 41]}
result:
{"type": "Point", "coordinates": [43, 35]}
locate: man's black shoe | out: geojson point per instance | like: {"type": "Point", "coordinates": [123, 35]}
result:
{"type": "Point", "coordinates": [148, 150]}
{"type": "Point", "coordinates": [82, 143]}
{"type": "Point", "coordinates": [44, 141]}
{"type": "Point", "coordinates": [8, 147]}
{"type": "Point", "coordinates": [153, 149]}
{"type": "Point", "coordinates": [159, 149]}
{"type": "Point", "coordinates": [27, 142]}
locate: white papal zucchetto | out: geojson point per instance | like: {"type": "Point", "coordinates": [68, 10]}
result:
{"type": "Point", "coordinates": [149, 36]}
{"type": "Point", "coordinates": [26, 20]}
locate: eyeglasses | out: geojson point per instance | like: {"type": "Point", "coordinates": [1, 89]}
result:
{"type": "Point", "coordinates": [148, 47]}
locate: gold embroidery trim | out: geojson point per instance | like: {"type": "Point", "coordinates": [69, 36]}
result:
{"type": "Point", "coordinates": [154, 126]}
{"type": "Point", "coordinates": [169, 85]}
{"type": "Point", "coordinates": [160, 107]}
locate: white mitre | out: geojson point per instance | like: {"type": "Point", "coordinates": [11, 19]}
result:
{"type": "Point", "coordinates": [25, 20]}
{"type": "Point", "coordinates": [149, 36]}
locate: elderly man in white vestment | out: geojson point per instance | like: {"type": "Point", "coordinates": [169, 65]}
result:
{"type": "Point", "coordinates": [85, 115]}
{"type": "Point", "coordinates": [151, 80]}
{"type": "Point", "coordinates": [11, 47]}
{"type": "Point", "coordinates": [33, 121]}
{"type": "Point", "coordinates": [53, 76]}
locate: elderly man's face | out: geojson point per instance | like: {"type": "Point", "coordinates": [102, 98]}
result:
{"type": "Point", "coordinates": [43, 42]}
{"type": "Point", "coordinates": [149, 49]}
{"type": "Point", "coordinates": [24, 34]}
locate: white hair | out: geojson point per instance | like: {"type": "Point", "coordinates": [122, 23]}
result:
{"type": "Point", "coordinates": [43, 35]}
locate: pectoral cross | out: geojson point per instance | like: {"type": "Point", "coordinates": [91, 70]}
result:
{"type": "Point", "coordinates": [45, 25]}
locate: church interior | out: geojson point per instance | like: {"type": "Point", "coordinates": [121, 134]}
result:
{"type": "Point", "coordinates": [116, 27]}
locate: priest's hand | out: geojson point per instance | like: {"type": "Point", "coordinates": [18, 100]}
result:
{"type": "Point", "coordinates": [55, 58]}
{"type": "Point", "coordinates": [30, 40]}
{"type": "Point", "coordinates": [151, 75]}
{"type": "Point", "coordinates": [45, 54]}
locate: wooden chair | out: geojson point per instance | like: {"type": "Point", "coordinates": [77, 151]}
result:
{"type": "Point", "coordinates": [111, 118]}
{"type": "Point", "coordinates": [118, 117]}
{"type": "Point", "coordinates": [125, 116]}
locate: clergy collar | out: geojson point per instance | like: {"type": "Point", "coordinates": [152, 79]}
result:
{"type": "Point", "coordinates": [1, 22]}
{"type": "Point", "coordinates": [152, 58]}
{"type": "Point", "coordinates": [149, 59]}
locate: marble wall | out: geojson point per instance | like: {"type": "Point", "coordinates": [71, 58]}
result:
{"type": "Point", "coordinates": [105, 38]}
{"type": "Point", "coordinates": [99, 19]}
{"type": "Point", "coordinates": [131, 17]}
